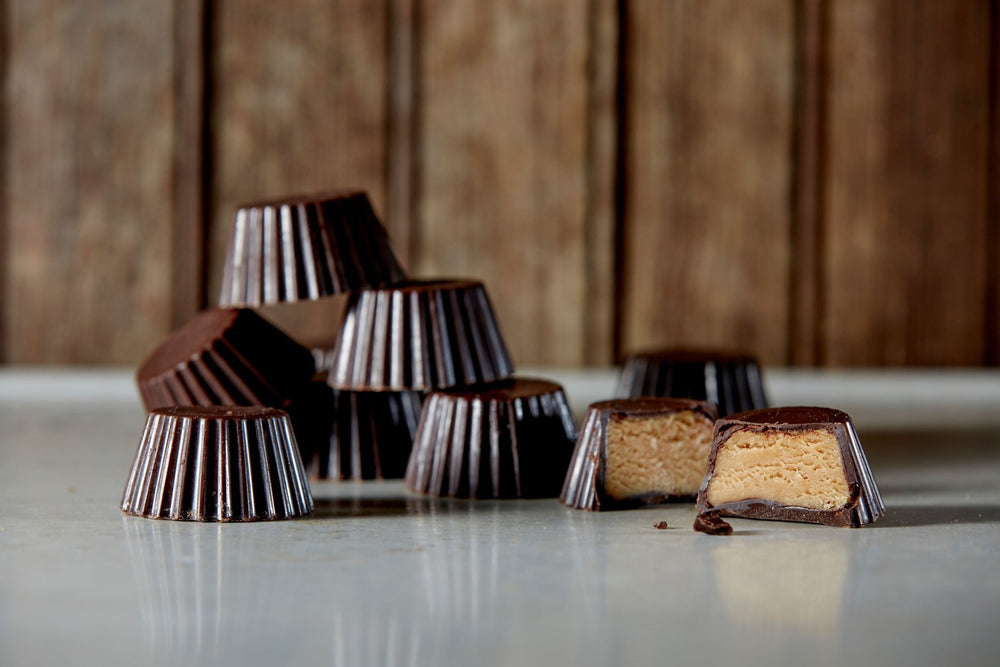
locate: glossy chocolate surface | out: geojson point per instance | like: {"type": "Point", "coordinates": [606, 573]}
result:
{"type": "Point", "coordinates": [219, 464]}
{"type": "Point", "coordinates": [510, 441]}
{"type": "Point", "coordinates": [225, 357]}
{"type": "Point", "coordinates": [306, 247]}
{"type": "Point", "coordinates": [728, 378]}
{"type": "Point", "coordinates": [419, 335]}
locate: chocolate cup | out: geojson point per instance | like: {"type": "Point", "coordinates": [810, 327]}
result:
{"type": "Point", "coordinates": [225, 357]}
{"type": "Point", "coordinates": [303, 248]}
{"type": "Point", "coordinates": [370, 435]}
{"type": "Point", "coordinates": [507, 440]}
{"type": "Point", "coordinates": [865, 503]}
{"type": "Point", "coordinates": [731, 380]}
{"type": "Point", "coordinates": [586, 479]}
{"type": "Point", "coordinates": [218, 464]}
{"type": "Point", "coordinates": [419, 335]}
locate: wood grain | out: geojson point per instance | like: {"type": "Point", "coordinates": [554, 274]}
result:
{"type": "Point", "coordinates": [602, 222]}
{"type": "Point", "coordinates": [707, 250]}
{"type": "Point", "coordinates": [502, 177]}
{"type": "Point", "coordinates": [299, 105]}
{"type": "Point", "coordinates": [89, 101]}
{"type": "Point", "coordinates": [906, 191]}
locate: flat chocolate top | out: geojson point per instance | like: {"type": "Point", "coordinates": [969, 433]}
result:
{"type": "Point", "coordinates": [652, 405]}
{"type": "Point", "coordinates": [792, 415]}
{"type": "Point", "coordinates": [228, 412]}
{"type": "Point", "coordinates": [297, 199]}
{"type": "Point", "coordinates": [190, 339]}
{"type": "Point", "coordinates": [691, 355]}
{"type": "Point", "coordinates": [433, 285]}
{"type": "Point", "coordinates": [505, 390]}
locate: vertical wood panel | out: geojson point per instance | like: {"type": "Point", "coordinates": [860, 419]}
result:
{"type": "Point", "coordinates": [602, 163]}
{"type": "Point", "coordinates": [503, 124]}
{"type": "Point", "coordinates": [299, 105]}
{"type": "Point", "coordinates": [906, 193]}
{"type": "Point", "coordinates": [707, 220]}
{"type": "Point", "coordinates": [991, 353]}
{"type": "Point", "coordinates": [90, 102]}
{"type": "Point", "coordinates": [807, 290]}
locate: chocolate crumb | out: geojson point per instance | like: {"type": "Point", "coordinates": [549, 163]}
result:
{"type": "Point", "coordinates": [660, 525]}
{"type": "Point", "coordinates": [711, 523]}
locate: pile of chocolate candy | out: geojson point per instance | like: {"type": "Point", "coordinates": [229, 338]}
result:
{"type": "Point", "coordinates": [420, 385]}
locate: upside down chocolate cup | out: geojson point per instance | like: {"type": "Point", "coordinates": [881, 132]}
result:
{"type": "Point", "coordinates": [731, 380]}
{"type": "Point", "coordinates": [790, 464]}
{"type": "Point", "coordinates": [306, 248]}
{"type": "Point", "coordinates": [508, 440]}
{"type": "Point", "coordinates": [639, 451]}
{"type": "Point", "coordinates": [419, 335]}
{"type": "Point", "coordinates": [218, 464]}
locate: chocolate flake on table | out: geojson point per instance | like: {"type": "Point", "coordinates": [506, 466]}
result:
{"type": "Point", "coordinates": [711, 523]}
{"type": "Point", "coordinates": [661, 525]}
{"type": "Point", "coordinates": [790, 464]}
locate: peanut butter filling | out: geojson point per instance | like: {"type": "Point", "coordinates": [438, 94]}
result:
{"type": "Point", "coordinates": [665, 454]}
{"type": "Point", "coordinates": [802, 469]}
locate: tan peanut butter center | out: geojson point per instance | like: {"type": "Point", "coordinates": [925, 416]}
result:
{"type": "Point", "coordinates": [803, 469]}
{"type": "Point", "coordinates": [665, 454]}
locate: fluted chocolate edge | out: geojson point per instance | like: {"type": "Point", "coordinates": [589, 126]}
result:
{"type": "Point", "coordinates": [474, 446]}
{"type": "Point", "coordinates": [305, 249]}
{"type": "Point", "coordinates": [217, 470]}
{"type": "Point", "coordinates": [420, 339]}
{"type": "Point", "coordinates": [734, 384]}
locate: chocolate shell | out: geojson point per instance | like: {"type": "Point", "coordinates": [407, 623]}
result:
{"type": "Point", "coordinates": [225, 357]}
{"type": "Point", "coordinates": [217, 464]}
{"type": "Point", "coordinates": [731, 380]}
{"type": "Point", "coordinates": [371, 434]}
{"type": "Point", "coordinates": [512, 439]}
{"type": "Point", "coordinates": [790, 464]}
{"type": "Point", "coordinates": [635, 473]}
{"type": "Point", "coordinates": [419, 335]}
{"type": "Point", "coordinates": [306, 248]}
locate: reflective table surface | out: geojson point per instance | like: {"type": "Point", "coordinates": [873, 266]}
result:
{"type": "Point", "coordinates": [378, 576]}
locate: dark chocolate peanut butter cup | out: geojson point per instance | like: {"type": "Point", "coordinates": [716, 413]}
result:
{"type": "Point", "coordinates": [638, 451]}
{"type": "Point", "coordinates": [731, 380]}
{"type": "Point", "coordinates": [507, 440]}
{"type": "Point", "coordinates": [790, 464]}
{"type": "Point", "coordinates": [217, 464]}
{"type": "Point", "coordinates": [303, 248]}
{"type": "Point", "coordinates": [428, 334]}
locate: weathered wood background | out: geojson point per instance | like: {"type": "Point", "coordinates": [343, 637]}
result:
{"type": "Point", "coordinates": [813, 180]}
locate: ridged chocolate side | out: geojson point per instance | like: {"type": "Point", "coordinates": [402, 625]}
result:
{"type": "Point", "coordinates": [306, 248]}
{"type": "Point", "coordinates": [511, 441]}
{"type": "Point", "coordinates": [584, 486]}
{"type": "Point", "coordinates": [730, 380]}
{"type": "Point", "coordinates": [217, 464]}
{"type": "Point", "coordinates": [420, 335]}
{"type": "Point", "coordinates": [371, 434]}
{"type": "Point", "coordinates": [225, 357]}
{"type": "Point", "coordinates": [865, 504]}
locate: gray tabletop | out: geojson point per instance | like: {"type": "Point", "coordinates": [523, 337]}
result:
{"type": "Point", "coordinates": [378, 576]}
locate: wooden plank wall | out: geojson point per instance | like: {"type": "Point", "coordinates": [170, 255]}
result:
{"type": "Point", "coordinates": [814, 180]}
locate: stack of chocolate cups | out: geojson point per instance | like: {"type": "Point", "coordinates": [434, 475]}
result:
{"type": "Point", "coordinates": [281, 251]}
{"type": "Point", "coordinates": [481, 432]}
